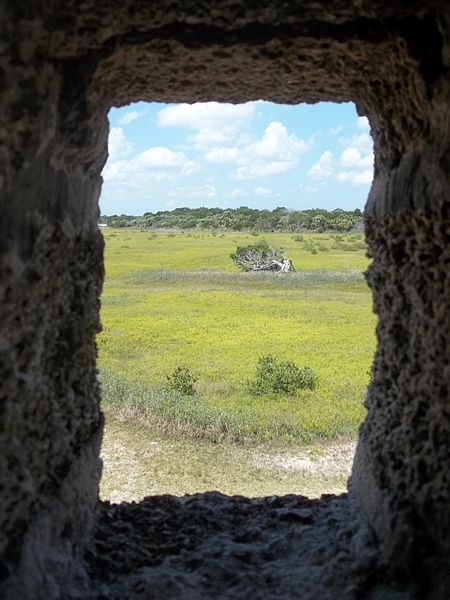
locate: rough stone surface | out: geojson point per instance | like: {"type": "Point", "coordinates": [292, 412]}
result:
{"type": "Point", "coordinates": [62, 65]}
{"type": "Point", "coordinates": [50, 564]}
{"type": "Point", "coordinates": [216, 546]}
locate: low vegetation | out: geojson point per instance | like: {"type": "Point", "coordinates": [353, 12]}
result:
{"type": "Point", "coordinates": [281, 377]}
{"type": "Point", "coordinates": [201, 314]}
{"type": "Point", "coordinates": [182, 381]}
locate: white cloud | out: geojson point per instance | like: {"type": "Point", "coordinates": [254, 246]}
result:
{"type": "Point", "coordinates": [363, 123]}
{"type": "Point", "coordinates": [130, 116]}
{"type": "Point", "coordinates": [213, 122]}
{"type": "Point", "coordinates": [223, 134]}
{"type": "Point", "coordinates": [222, 155]}
{"type": "Point", "coordinates": [353, 157]}
{"type": "Point", "coordinates": [362, 141]}
{"type": "Point", "coordinates": [323, 168]}
{"type": "Point", "coordinates": [161, 157]}
{"type": "Point", "coordinates": [153, 165]}
{"type": "Point", "coordinates": [357, 157]}
{"type": "Point", "coordinates": [208, 137]}
{"type": "Point", "coordinates": [263, 169]}
{"type": "Point", "coordinates": [277, 143]}
{"type": "Point", "coordinates": [119, 147]}
{"type": "Point", "coordinates": [205, 115]}
{"type": "Point", "coordinates": [216, 124]}
{"type": "Point", "coordinates": [276, 152]}
{"type": "Point", "coordinates": [356, 177]}
{"type": "Point", "coordinates": [262, 191]}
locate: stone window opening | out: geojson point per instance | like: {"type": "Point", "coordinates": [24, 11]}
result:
{"type": "Point", "coordinates": [132, 471]}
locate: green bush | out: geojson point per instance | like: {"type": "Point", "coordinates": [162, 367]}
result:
{"type": "Point", "coordinates": [310, 246]}
{"type": "Point", "coordinates": [281, 377]}
{"type": "Point", "coordinates": [182, 380]}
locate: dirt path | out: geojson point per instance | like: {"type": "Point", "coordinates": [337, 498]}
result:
{"type": "Point", "coordinates": [138, 462]}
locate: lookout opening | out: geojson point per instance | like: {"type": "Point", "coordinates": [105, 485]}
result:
{"type": "Point", "coordinates": [185, 333]}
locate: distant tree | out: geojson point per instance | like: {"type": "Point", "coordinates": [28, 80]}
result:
{"type": "Point", "coordinates": [342, 223]}
{"type": "Point", "coordinates": [319, 223]}
{"type": "Point", "coordinates": [242, 218]}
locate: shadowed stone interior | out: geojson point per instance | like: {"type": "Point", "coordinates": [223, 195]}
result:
{"type": "Point", "coordinates": [62, 66]}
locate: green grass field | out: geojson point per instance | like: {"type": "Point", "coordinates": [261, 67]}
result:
{"type": "Point", "coordinates": [177, 299]}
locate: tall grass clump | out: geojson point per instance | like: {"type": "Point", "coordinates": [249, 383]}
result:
{"type": "Point", "coordinates": [170, 411]}
{"type": "Point", "coordinates": [174, 414]}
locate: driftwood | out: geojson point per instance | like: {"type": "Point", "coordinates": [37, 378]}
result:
{"type": "Point", "coordinates": [262, 259]}
{"type": "Point", "coordinates": [284, 266]}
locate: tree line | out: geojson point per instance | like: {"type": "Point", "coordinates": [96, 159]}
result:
{"type": "Point", "coordinates": [242, 219]}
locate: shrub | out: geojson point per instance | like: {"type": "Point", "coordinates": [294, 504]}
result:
{"type": "Point", "coordinates": [298, 238]}
{"type": "Point", "coordinates": [182, 380]}
{"type": "Point", "coordinates": [310, 246]}
{"type": "Point", "coordinates": [281, 377]}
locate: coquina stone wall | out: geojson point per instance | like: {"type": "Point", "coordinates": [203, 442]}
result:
{"type": "Point", "coordinates": [62, 66]}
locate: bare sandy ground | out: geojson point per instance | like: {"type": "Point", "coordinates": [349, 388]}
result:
{"type": "Point", "coordinates": [139, 462]}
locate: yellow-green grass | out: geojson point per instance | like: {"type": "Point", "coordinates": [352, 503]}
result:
{"type": "Point", "coordinates": [177, 298]}
{"type": "Point", "coordinates": [133, 250]}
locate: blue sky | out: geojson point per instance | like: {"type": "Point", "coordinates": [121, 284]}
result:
{"type": "Point", "coordinates": [257, 154]}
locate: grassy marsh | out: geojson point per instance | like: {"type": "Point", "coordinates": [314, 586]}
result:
{"type": "Point", "coordinates": [172, 299]}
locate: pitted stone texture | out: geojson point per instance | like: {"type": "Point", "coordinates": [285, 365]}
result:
{"type": "Point", "coordinates": [51, 563]}
{"type": "Point", "coordinates": [402, 469]}
{"type": "Point", "coordinates": [215, 546]}
{"type": "Point", "coordinates": [406, 436]}
{"type": "Point", "coordinates": [48, 382]}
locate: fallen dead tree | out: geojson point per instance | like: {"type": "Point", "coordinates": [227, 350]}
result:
{"type": "Point", "coordinates": [261, 257]}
